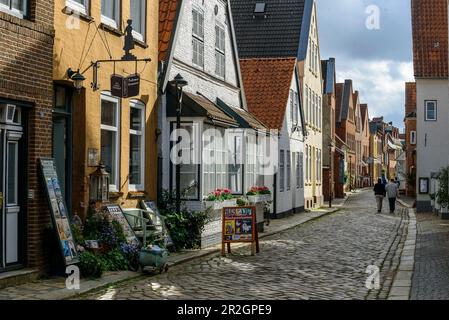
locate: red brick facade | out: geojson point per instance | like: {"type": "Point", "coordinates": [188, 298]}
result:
{"type": "Point", "coordinates": [410, 129]}
{"type": "Point", "coordinates": [26, 77]}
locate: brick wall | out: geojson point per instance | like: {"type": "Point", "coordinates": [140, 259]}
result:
{"type": "Point", "coordinates": [26, 75]}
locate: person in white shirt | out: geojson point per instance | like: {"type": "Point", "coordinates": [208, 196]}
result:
{"type": "Point", "coordinates": [392, 193]}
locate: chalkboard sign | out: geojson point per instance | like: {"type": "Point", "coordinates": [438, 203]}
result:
{"type": "Point", "coordinates": [58, 208]}
{"type": "Point", "coordinates": [240, 225]}
{"type": "Point", "coordinates": [116, 213]}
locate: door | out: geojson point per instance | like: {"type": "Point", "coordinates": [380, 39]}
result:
{"type": "Point", "coordinates": [11, 207]}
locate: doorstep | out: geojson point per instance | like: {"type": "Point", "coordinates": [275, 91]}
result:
{"type": "Point", "coordinates": [54, 289]}
{"type": "Point", "coordinates": [18, 277]}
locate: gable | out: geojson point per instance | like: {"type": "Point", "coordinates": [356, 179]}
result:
{"type": "Point", "coordinates": [267, 85]}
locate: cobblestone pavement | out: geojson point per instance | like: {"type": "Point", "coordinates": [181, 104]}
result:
{"type": "Point", "coordinates": [323, 259]}
{"type": "Point", "coordinates": [431, 276]}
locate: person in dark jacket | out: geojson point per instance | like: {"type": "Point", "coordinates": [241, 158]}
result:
{"type": "Point", "coordinates": [379, 193]}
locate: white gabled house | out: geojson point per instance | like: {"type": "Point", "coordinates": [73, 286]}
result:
{"type": "Point", "coordinates": [196, 40]}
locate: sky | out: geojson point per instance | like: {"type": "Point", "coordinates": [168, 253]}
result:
{"type": "Point", "coordinates": [371, 41]}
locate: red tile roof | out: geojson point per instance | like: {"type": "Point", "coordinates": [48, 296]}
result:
{"type": "Point", "coordinates": [167, 17]}
{"type": "Point", "coordinates": [430, 38]}
{"type": "Point", "coordinates": [267, 87]}
{"type": "Point", "coordinates": [410, 98]}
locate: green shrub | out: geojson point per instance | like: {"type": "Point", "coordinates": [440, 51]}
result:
{"type": "Point", "coordinates": [91, 265]}
{"type": "Point", "coordinates": [115, 261]}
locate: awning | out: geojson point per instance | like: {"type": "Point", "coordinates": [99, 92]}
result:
{"type": "Point", "coordinates": [394, 146]}
{"type": "Point", "coordinates": [243, 117]}
{"type": "Point", "coordinates": [195, 105]}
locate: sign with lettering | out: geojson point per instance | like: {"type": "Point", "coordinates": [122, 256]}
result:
{"type": "Point", "coordinates": [240, 225]}
{"type": "Point", "coordinates": [125, 87]}
{"type": "Point", "coordinates": [58, 208]}
{"type": "Point", "coordinates": [116, 213]}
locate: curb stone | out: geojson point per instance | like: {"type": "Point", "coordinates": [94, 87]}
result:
{"type": "Point", "coordinates": [402, 283]}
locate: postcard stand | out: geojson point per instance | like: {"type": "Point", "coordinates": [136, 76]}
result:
{"type": "Point", "coordinates": [239, 226]}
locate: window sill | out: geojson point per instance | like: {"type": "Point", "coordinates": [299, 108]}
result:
{"type": "Point", "coordinates": [71, 11]}
{"type": "Point", "coordinates": [137, 194]}
{"type": "Point", "coordinates": [111, 29]}
{"type": "Point", "coordinates": [115, 195]}
{"type": "Point", "coordinates": [140, 43]}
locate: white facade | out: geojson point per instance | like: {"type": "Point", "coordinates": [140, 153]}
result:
{"type": "Point", "coordinates": [432, 135]}
{"type": "Point", "coordinates": [312, 86]}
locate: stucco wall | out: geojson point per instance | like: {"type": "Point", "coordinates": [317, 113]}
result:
{"type": "Point", "coordinates": [75, 47]}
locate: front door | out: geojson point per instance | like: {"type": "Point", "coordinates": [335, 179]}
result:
{"type": "Point", "coordinates": [11, 210]}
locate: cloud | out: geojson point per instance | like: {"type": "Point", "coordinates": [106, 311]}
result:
{"type": "Point", "coordinates": [378, 61]}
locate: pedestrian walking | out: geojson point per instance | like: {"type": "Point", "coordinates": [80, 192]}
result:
{"type": "Point", "coordinates": [392, 193]}
{"type": "Point", "coordinates": [379, 193]}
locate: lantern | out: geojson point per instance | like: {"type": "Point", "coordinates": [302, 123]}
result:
{"type": "Point", "coordinates": [99, 185]}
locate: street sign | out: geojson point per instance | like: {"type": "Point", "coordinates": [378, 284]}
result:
{"type": "Point", "coordinates": [125, 87]}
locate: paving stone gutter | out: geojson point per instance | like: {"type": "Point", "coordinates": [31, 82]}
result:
{"type": "Point", "coordinates": [402, 283]}
{"type": "Point", "coordinates": [55, 289]}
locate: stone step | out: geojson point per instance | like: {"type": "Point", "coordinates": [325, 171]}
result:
{"type": "Point", "coordinates": [18, 277]}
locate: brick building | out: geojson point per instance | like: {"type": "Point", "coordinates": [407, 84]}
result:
{"type": "Point", "coordinates": [410, 137]}
{"type": "Point", "coordinates": [346, 129]}
{"type": "Point", "coordinates": [26, 99]}
{"type": "Point", "coordinates": [367, 178]}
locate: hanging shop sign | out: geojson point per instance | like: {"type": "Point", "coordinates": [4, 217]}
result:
{"type": "Point", "coordinates": [116, 213]}
{"type": "Point", "coordinates": [239, 225]}
{"type": "Point", "coordinates": [59, 213]}
{"type": "Point", "coordinates": [125, 87]}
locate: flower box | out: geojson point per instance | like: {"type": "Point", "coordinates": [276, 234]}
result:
{"type": "Point", "coordinates": [215, 205]}
{"type": "Point", "coordinates": [230, 203]}
{"type": "Point", "coordinates": [256, 199]}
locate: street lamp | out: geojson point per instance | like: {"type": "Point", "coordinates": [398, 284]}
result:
{"type": "Point", "coordinates": [331, 172]}
{"type": "Point", "coordinates": [179, 84]}
{"type": "Point", "coordinates": [77, 78]}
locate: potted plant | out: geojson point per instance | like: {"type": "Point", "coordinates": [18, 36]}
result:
{"type": "Point", "coordinates": [442, 194]}
{"type": "Point", "coordinates": [259, 194]}
{"type": "Point", "coordinates": [220, 198]}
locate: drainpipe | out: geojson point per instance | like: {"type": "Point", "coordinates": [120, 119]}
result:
{"type": "Point", "coordinates": [275, 192]}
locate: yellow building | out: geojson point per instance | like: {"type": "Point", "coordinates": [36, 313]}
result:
{"type": "Point", "coordinates": [92, 126]}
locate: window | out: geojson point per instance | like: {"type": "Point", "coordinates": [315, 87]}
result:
{"type": "Point", "coordinates": [313, 57]}
{"type": "Point", "coordinates": [320, 115]}
{"type": "Point", "coordinates": [306, 104]}
{"type": "Point", "coordinates": [110, 13]}
{"type": "Point", "coordinates": [412, 137]}
{"type": "Point", "coordinates": [250, 164]}
{"type": "Point", "coordinates": [110, 151]}
{"type": "Point", "coordinates": [214, 168]}
{"type": "Point", "coordinates": [318, 162]}
{"type": "Point", "coordinates": [299, 170]}
{"type": "Point", "coordinates": [138, 15]}
{"type": "Point", "coordinates": [289, 170]}
{"type": "Point", "coordinates": [220, 58]}
{"type": "Point", "coordinates": [314, 109]}
{"type": "Point", "coordinates": [260, 160]}
{"type": "Point", "coordinates": [292, 107]}
{"type": "Point", "coordinates": [137, 147]}
{"type": "Point", "coordinates": [189, 170]}
{"type": "Point", "coordinates": [431, 111]}
{"type": "Point", "coordinates": [16, 8]}
{"type": "Point", "coordinates": [282, 171]}
{"type": "Point", "coordinates": [310, 163]}
{"type": "Point", "coordinates": [77, 5]}
{"type": "Point", "coordinates": [235, 172]}
{"type": "Point", "coordinates": [310, 106]}
{"type": "Point", "coordinates": [198, 38]}
{"type": "Point", "coordinates": [310, 54]}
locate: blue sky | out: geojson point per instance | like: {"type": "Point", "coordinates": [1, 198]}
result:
{"type": "Point", "coordinates": [379, 61]}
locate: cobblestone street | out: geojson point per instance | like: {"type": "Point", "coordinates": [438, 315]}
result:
{"type": "Point", "coordinates": [431, 276]}
{"type": "Point", "coordinates": [323, 259]}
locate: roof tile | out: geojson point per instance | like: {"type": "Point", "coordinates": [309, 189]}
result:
{"type": "Point", "coordinates": [267, 88]}
{"type": "Point", "coordinates": [167, 17]}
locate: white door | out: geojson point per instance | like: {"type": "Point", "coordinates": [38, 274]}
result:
{"type": "Point", "coordinates": [10, 202]}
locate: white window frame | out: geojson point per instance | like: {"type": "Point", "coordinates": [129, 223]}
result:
{"type": "Point", "coordinates": [220, 52]}
{"type": "Point", "coordinates": [217, 147]}
{"type": "Point", "coordinates": [413, 137]}
{"type": "Point", "coordinates": [14, 12]}
{"type": "Point", "coordinates": [282, 171]}
{"type": "Point", "coordinates": [289, 170]}
{"type": "Point", "coordinates": [236, 157]}
{"type": "Point", "coordinates": [114, 186]}
{"type": "Point", "coordinates": [72, 4]}
{"type": "Point", "coordinates": [306, 103]}
{"type": "Point", "coordinates": [139, 105]}
{"type": "Point", "coordinates": [198, 39]}
{"type": "Point", "coordinates": [143, 20]}
{"type": "Point", "coordinates": [427, 102]}
{"type": "Point", "coordinates": [114, 23]}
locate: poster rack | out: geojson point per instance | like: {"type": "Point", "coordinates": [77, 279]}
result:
{"type": "Point", "coordinates": [239, 226]}
{"type": "Point", "coordinates": [59, 213]}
